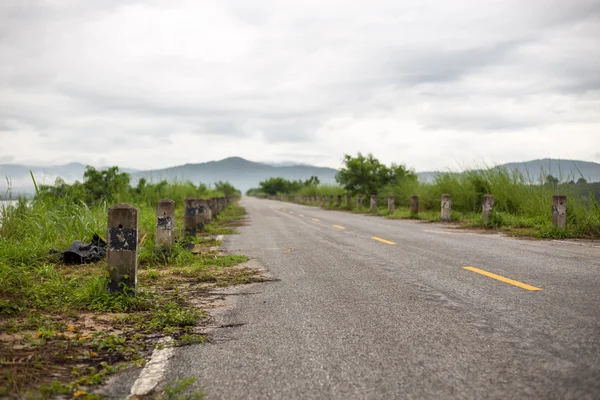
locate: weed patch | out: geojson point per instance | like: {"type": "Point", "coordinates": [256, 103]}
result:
{"type": "Point", "coordinates": [63, 333]}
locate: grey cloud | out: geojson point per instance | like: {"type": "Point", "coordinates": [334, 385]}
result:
{"type": "Point", "coordinates": [485, 68]}
{"type": "Point", "coordinates": [475, 121]}
{"type": "Point", "coordinates": [435, 66]}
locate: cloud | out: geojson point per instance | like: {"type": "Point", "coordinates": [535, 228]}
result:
{"type": "Point", "coordinates": [126, 81]}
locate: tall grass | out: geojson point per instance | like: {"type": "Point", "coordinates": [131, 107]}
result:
{"type": "Point", "coordinates": [522, 201]}
{"type": "Point", "coordinates": [31, 230]}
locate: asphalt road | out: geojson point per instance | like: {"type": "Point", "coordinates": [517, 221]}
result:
{"type": "Point", "coordinates": [351, 316]}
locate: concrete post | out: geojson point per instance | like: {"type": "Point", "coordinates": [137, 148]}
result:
{"type": "Point", "coordinates": [487, 207]}
{"type": "Point", "coordinates": [348, 200]}
{"type": "Point", "coordinates": [559, 211]}
{"type": "Point", "coordinates": [359, 201]}
{"type": "Point", "coordinates": [212, 204]}
{"type": "Point", "coordinates": [190, 213]}
{"type": "Point", "coordinates": [222, 204]}
{"type": "Point", "coordinates": [323, 201]}
{"type": "Point", "coordinates": [122, 247]}
{"type": "Point", "coordinates": [207, 214]}
{"type": "Point", "coordinates": [330, 199]}
{"type": "Point", "coordinates": [373, 207]}
{"type": "Point", "coordinates": [201, 205]}
{"type": "Point", "coordinates": [165, 223]}
{"type": "Point", "coordinates": [391, 204]}
{"type": "Point", "coordinates": [414, 204]}
{"type": "Point", "coordinates": [446, 207]}
{"type": "Point", "coordinates": [339, 200]}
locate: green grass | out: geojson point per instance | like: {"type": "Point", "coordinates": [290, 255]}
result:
{"type": "Point", "coordinates": [221, 224]}
{"type": "Point", "coordinates": [180, 390]}
{"type": "Point", "coordinates": [62, 317]}
{"type": "Point", "coordinates": [523, 205]}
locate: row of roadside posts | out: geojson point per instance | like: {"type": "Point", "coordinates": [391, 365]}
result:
{"type": "Point", "coordinates": [559, 205]}
{"type": "Point", "coordinates": [122, 237]}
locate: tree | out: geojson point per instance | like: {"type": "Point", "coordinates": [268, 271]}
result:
{"type": "Point", "coordinates": [272, 186]}
{"type": "Point", "coordinates": [227, 188]}
{"type": "Point", "coordinates": [108, 184]}
{"type": "Point", "coordinates": [366, 175]}
{"type": "Point", "coordinates": [551, 181]}
{"type": "Point", "coordinates": [312, 181]}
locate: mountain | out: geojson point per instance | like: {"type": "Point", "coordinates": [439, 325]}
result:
{"type": "Point", "coordinates": [241, 173]}
{"type": "Point", "coordinates": [244, 174]}
{"type": "Point", "coordinates": [564, 170]}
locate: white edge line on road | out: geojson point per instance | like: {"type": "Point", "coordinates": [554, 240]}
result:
{"type": "Point", "coordinates": [450, 232]}
{"type": "Point", "coordinates": [154, 371]}
{"type": "Point", "coordinates": [576, 244]}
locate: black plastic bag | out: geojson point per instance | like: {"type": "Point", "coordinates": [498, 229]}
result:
{"type": "Point", "coordinates": [85, 253]}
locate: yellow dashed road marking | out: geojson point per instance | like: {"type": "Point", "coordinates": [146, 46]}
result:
{"type": "Point", "coordinates": [382, 240]}
{"type": "Point", "coordinates": [338, 226]}
{"type": "Point", "coordinates": [503, 279]}
{"type": "Point", "coordinates": [316, 219]}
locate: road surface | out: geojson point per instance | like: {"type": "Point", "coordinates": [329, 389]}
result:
{"type": "Point", "coordinates": [369, 308]}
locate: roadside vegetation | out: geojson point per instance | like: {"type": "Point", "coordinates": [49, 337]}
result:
{"type": "Point", "coordinates": [61, 332]}
{"type": "Point", "coordinates": [523, 203]}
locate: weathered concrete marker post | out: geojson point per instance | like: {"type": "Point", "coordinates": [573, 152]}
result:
{"type": "Point", "coordinates": [373, 207]}
{"type": "Point", "coordinates": [339, 200]}
{"type": "Point", "coordinates": [359, 201]}
{"type": "Point", "coordinates": [190, 213]}
{"type": "Point", "coordinates": [391, 204]}
{"type": "Point", "coordinates": [212, 204]}
{"type": "Point", "coordinates": [487, 208]}
{"type": "Point", "coordinates": [414, 204]}
{"type": "Point", "coordinates": [165, 223]}
{"type": "Point", "coordinates": [207, 213]}
{"type": "Point", "coordinates": [559, 211]}
{"type": "Point", "coordinates": [201, 205]}
{"type": "Point", "coordinates": [348, 200]}
{"type": "Point", "coordinates": [330, 199]}
{"type": "Point", "coordinates": [446, 207]}
{"type": "Point", "coordinates": [122, 247]}
{"type": "Point", "coordinates": [323, 201]}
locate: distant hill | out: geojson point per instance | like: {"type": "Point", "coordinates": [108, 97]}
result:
{"type": "Point", "coordinates": [565, 170]}
{"type": "Point", "coordinates": [241, 173]}
{"type": "Point", "coordinates": [244, 174]}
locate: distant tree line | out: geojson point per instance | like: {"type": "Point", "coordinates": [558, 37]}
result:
{"type": "Point", "coordinates": [111, 185]}
{"type": "Point", "coordinates": [361, 174]}
{"type": "Point", "coordinates": [366, 175]}
{"type": "Point", "coordinates": [273, 186]}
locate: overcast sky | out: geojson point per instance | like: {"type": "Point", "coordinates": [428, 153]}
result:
{"type": "Point", "coordinates": [432, 84]}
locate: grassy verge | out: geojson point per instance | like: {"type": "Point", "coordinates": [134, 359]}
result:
{"type": "Point", "coordinates": [62, 333]}
{"type": "Point", "coordinates": [580, 224]}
